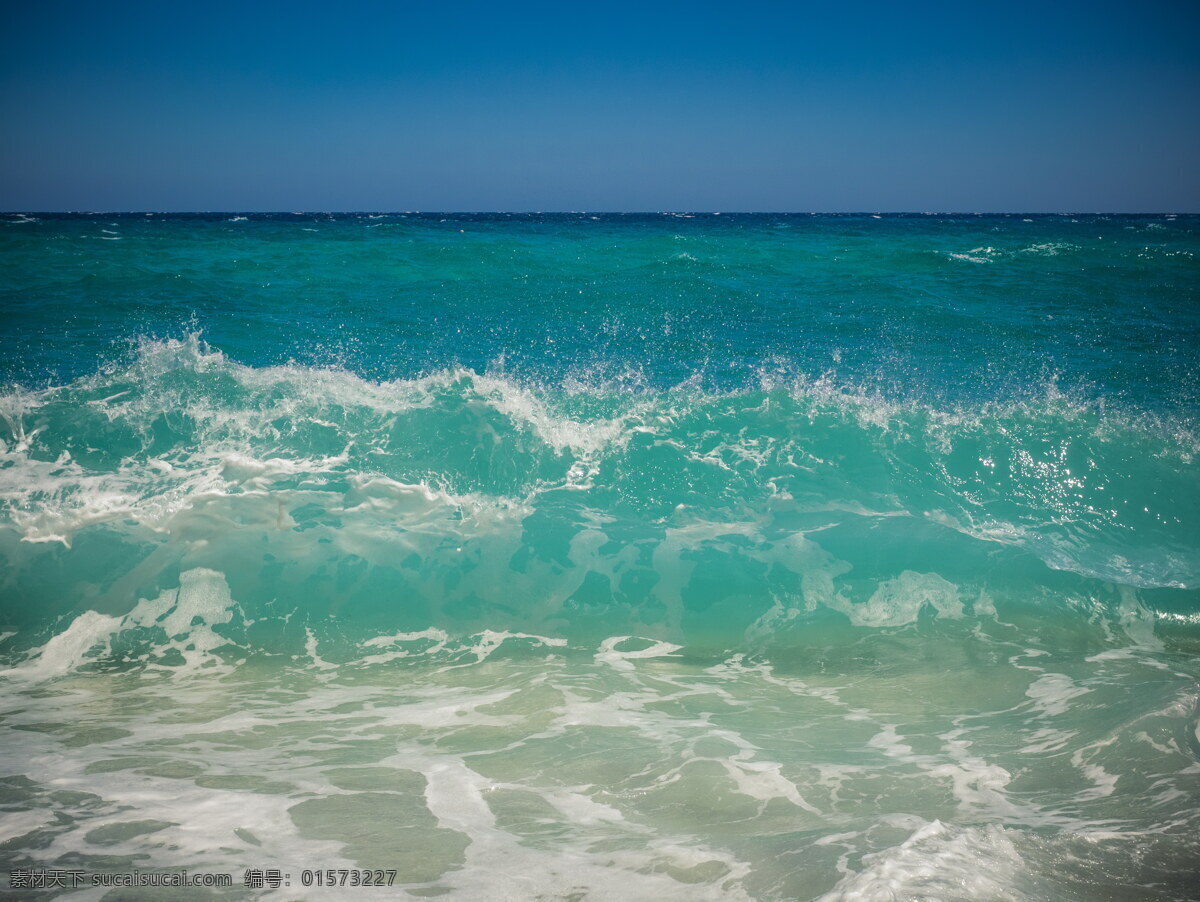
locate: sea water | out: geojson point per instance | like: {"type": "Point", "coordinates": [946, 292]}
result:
{"type": "Point", "coordinates": [601, 556]}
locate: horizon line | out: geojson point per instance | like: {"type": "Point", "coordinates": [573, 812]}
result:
{"type": "Point", "coordinates": [680, 212]}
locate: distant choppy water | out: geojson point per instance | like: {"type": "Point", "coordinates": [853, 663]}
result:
{"type": "Point", "coordinates": [603, 557]}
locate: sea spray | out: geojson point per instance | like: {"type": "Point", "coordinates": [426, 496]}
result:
{"type": "Point", "coordinates": [630, 557]}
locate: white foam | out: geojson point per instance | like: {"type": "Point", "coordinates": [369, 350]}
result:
{"type": "Point", "coordinates": [1053, 693]}
{"type": "Point", "coordinates": [899, 601]}
{"type": "Point", "coordinates": [1048, 249]}
{"type": "Point", "coordinates": [202, 602]}
{"type": "Point", "coordinates": [976, 255]}
{"type": "Point", "coordinates": [977, 864]}
{"type": "Point", "coordinates": [16, 824]}
{"type": "Point", "coordinates": [68, 649]}
{"type": "Point", "coordinates": [620, 659]}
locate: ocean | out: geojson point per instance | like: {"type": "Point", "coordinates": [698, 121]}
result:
{"type": "Point", "coordinates": [600, 557]}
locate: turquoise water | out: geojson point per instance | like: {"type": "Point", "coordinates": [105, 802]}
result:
{"type": "Point", "coordinates": [603, 556]}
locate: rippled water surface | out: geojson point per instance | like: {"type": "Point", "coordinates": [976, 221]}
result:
{"type": "Point", "coordinates": [602, 557]}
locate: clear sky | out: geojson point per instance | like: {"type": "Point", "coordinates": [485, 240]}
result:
{"type": "Point", "coordinates": [359, 105]}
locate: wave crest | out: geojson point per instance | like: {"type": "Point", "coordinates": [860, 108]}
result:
{"type": "Point", "coordinates": [467, 497]}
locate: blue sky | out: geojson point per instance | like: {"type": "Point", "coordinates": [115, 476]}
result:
{"type": "Point", "coordinates": [800, 106]}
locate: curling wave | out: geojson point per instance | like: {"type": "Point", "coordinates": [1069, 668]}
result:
{"type": "Point", "coordinates": [465, 501]}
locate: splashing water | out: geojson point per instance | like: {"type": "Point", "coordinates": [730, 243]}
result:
{"type": "Point", "coordinates": [617, 557]}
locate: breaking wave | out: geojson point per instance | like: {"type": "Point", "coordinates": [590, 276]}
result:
{"type": "Point", "coordinates": [178, 488]}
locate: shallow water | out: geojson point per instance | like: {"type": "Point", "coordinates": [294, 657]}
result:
{"type": "Point", "coordinates": [566, 557]}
